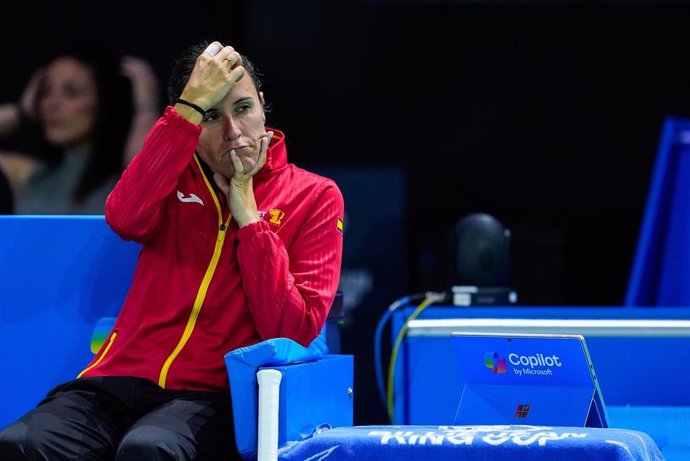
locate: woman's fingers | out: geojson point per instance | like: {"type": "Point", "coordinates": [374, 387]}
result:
{"type": "Point", "coordinates": [213, 49]}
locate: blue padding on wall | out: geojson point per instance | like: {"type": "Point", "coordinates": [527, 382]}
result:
{"type": "Point", "coordinates": [661, 266]}
{"type": "Point", "coordinates": [58, 276]}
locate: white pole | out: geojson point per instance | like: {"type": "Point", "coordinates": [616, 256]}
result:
{"type": "Point", "coordinates": [269, 400]}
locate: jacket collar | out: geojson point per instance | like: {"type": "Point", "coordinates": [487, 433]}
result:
{"type": "Point", "coordinates": [276, 157]}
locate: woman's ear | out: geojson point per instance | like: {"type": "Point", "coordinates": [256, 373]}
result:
{"type": "Point", "coordinates": [263, 105]}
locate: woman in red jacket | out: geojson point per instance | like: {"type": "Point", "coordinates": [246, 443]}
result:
{"type": "Point", "coordinates": [238, 246]}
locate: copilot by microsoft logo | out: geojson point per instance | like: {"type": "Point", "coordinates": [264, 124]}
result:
{"type": "Point", "coordinates": [537, 364]}
{"type": "Point", "coordinates": [493, 361]}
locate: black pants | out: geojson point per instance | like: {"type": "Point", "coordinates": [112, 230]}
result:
{"type": "Point", "coordinates": [123, 419]}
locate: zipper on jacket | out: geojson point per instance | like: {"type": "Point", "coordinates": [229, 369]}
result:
{"type": "Point", "coordinates": [113, 335]}
{"type": "Point", "coordinates": [203, 289]}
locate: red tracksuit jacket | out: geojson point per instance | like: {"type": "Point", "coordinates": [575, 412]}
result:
{"type": "Point", "coordinates": [203, 287]}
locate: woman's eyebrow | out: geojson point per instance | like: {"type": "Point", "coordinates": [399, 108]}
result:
{"type": "Point", "coordinates": [241, 100]}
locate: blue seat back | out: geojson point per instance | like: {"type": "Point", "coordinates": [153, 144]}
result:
{"type": "Point", "coordinates": [58, 276]}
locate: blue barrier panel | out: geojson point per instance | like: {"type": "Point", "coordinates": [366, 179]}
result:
{"type": "Point", "coordinates": [58, 276]}
{"type": "Point", "coordinates": [661, 266]}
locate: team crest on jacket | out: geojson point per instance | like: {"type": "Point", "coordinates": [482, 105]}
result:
{"type": "Point", "coordinates": [274, 215]}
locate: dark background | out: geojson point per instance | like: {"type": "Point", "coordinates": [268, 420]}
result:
{"type": "Point", "coordinates": [545, 114]}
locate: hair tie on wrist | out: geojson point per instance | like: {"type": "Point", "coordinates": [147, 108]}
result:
{"type": "Point", "coordinates": [192, 105]}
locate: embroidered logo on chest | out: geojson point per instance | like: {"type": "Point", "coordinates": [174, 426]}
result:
{"type": "Point", "coordinates": [274, 216]}
{"type": "Point", "coordinates": [193, 198]}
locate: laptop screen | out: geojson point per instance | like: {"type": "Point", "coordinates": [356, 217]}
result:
{"type": "Point", "coordinates": [534, 379]}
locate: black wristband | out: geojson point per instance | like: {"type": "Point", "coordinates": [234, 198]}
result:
{"type": "Point", "coordinates": [192, 105]}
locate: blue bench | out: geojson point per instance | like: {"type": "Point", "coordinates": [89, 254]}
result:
{"type": "Point", "coordinates": [62, 283]}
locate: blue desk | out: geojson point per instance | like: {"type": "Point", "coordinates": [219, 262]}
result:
{"type": "Point", "coordinates": [637, 365]}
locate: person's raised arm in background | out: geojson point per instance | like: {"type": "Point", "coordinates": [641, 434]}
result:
{"type": "Point", "coordinates": [147, 107]}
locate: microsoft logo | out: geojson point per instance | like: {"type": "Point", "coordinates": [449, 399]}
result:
{"type": "Point", "coordinates": [522, 411]}
{"type": "Point", "coordinates": [493, 361]}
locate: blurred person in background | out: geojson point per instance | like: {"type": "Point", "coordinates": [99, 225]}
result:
{"type": "Point", "coordinates": [80, 120]}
